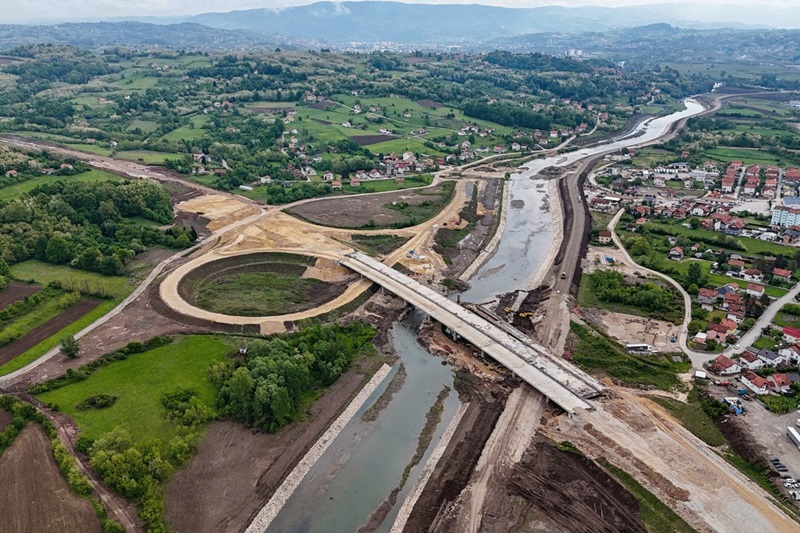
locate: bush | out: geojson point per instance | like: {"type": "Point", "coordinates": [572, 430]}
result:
{"type": "Point", "coordinates": [100, 401]}
{"type": "Point", "coordinates": [70, 347]}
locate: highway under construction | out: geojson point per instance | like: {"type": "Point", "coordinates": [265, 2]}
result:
{"type": "Point", "coordinates": [565, 385]}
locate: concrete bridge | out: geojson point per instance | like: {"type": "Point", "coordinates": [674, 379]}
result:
{"type": "Point", "coordinates": [564, 384]}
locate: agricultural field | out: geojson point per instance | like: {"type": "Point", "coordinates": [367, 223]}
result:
{"type": "Point", "coordinates": [393, 210]}
{"type": "Point", "coordinates": [41, 499]}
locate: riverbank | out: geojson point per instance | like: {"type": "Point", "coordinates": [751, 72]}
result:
{"type": "Point", "coordinates": [268, 513]}
{"type": "Point", "coordinates": [557, 220]}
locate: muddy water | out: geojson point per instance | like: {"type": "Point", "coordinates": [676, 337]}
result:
{"type": "Point", "coordinates": [366, 462]}
{"type": "Point", "coordinates": [528, 234]}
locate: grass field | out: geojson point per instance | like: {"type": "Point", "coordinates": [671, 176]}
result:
{"type": "Point", "coordinates": [188, 132]}
{"type": "Point", "coordinates": [749, 157]}
{"type": "Point", "coordinates": [43, 273]}
{"type": "Point", "coordinates": [146, 156]}
{"type": "Point", "coordinates": [587, 298]}
{"type": "Point", "coordinates": [139, 382]}
{"type": "Point", "coordinates": [92, 176]}
{"type": "Point", "coordinates": [693, 418]}
{"type": "Point", "coordinates": [752, 246]}
{"type": "Point", "coordinates": [597, 353]}
{"type": "Point", "coordinates": [257, 294]}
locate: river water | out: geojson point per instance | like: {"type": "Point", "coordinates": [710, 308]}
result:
{"type": "Point", "coordinates": [528, 234]}
{"type": "Point", "coordinates": [366, 461]}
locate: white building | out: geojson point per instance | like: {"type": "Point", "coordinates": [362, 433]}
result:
{"type": "Point", "coordinates": [785, 216]}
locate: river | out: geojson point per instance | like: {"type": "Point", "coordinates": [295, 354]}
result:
{"type": "Point", "coordinates": [528, 234]}
{"type": "Point", "coordinates": [366, 461]}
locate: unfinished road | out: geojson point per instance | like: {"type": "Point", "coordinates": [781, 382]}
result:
{"type": "Point", "coordinates": [567, 386]}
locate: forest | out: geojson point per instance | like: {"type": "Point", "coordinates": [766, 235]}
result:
{"type": "Point", "coordinates": [88, 226]}
{"type": "Point", "coordinates": [269, 388]}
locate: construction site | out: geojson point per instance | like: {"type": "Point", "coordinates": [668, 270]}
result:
{"type": "Point", "coordinates": [506, 434]}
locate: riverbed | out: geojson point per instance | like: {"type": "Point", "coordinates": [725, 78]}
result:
{"type": "Point", "coordinates": [528, 233]}
{"type": "Point", "coordinates": [366, 461]}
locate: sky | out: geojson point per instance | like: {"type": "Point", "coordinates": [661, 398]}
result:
{"type": "Point", "coordinates": [59, 10]}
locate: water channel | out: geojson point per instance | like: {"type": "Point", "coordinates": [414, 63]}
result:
{"type": "Point", "coordinates": [529, 225]}
{"type": "Point", "coordinates": [366, 461]}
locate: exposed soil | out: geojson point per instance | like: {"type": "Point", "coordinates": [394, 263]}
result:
{"type": "Point", "coordinates": [322, 105]}
{"type": "Point", "coordinates": [36, 497]}
{"type": "Point", "coordinates": [46, 330]}
{"type": "Point", "coordinates": [274, 110]}
{"type": "Point", "coordinates": [371, 414]}
{"type": "Point", "coordinates": [484, 212]}
{"type": "Point", "coordinates": [430, 104]}
{"type": "Point", "coordinates": [248, 467]}
{"type": "Point", "coordinates": [559, 490]}
{"type": "Point", "coordinates": [359, 211]}
{"type": "Point", "coordinates": [16, 291]}
{"type": "Point", "coordinates": [366, 140]}
{"type": "Point", "coordinates": [323, 122]}
{"type": "Point", "coordinates": [5, 418]}
{"type": "Point", "coordinates": [454, 470]}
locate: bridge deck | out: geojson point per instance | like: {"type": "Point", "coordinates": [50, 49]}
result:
{"type": "Point", "coordinates": [564, 387]}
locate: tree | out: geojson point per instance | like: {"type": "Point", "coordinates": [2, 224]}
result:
{"type": "Point", "coordinates": [70, 346]}
{"type": "Point", "coordinates": [58, 251]}
{"type": "Point", "coordinates": [4, 270]}
{"type": "Point", "coordinates": [694, 275]}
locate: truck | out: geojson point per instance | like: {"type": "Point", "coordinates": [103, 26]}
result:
{"type": "Point", "coordinates": [794, 435]}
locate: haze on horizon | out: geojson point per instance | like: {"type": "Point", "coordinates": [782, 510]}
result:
{"type": "Point", "coordinates": [53, 11]}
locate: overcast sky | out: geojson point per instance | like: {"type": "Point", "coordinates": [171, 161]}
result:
{"type": "Point", "coordinates": [44, 10]}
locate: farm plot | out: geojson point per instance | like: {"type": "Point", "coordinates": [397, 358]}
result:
{"type": "Point", "coordinates": [366, 140]}
{"type": "Point", "coordinates": [46, 330]}
{"type": "Point", "coordinates": [15, 292]}
{"type": "Point", "coordinates": [36, 496]}
{"type": "Point", "coordinates": [392, 210]}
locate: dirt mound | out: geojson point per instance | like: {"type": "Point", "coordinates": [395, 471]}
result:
{"type": "Point", "coordinates": [573, 492]}
{"type": "Point", "coordinates": [36, 496]}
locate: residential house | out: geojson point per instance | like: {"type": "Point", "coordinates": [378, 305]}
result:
{"type": "Point", "coordinates": [791, 335]}
{"type": "Point", "coordinates": [753, 289]}
{"type": "Point", "coordinates": [328, 176]}
{"type": "Point", "coordinates": [736, 264]}
{"type": "Point", "coordinates": [781, 274]}
{"type": "Point", "coordinates": [737, 313]}
{"type": "Point", "coordinates": [729, 325]}
{"type": "Point", "coordinates": [720, 329]}
{"type": "Point", "coordinates": [771, 358]}
{"type": "Point", "coordinates": [752, 274]}
{"type": "Point", "coordinates": [336, 185]}
{"type": "Point", "coordinates": [700, 339]}
{"type": "Point", "coordinates": [355, 182]}
{"type": "Point", "coordinates": [724, 366]}
{"type": "Point", "coordinates": [658, 181]}
{"type": "Point", "coordinates": [707, 298]}
{"type": "Point", "coordinates": [676, 254]}
{"type": "Point", "coordinates": [780, 383]}
{"type": "Point", "coordinates": [604, 237]}
{"type": "Point", "coordinates": [750, 360]}
{"type": "Point", "coordinates": [792, 353]}
{"type": "Point", "coordinates": [754, 382]}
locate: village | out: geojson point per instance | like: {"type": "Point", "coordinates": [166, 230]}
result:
{"type": "Point", "coordinates": [728, 237]}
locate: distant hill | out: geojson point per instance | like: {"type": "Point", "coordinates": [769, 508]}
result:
{"type": "Point", "coordinates": [371, 21]}
{"type": "Point", "coordinates": [134, 34]}
{"type": "Point", "coordinates": [662, 42]}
